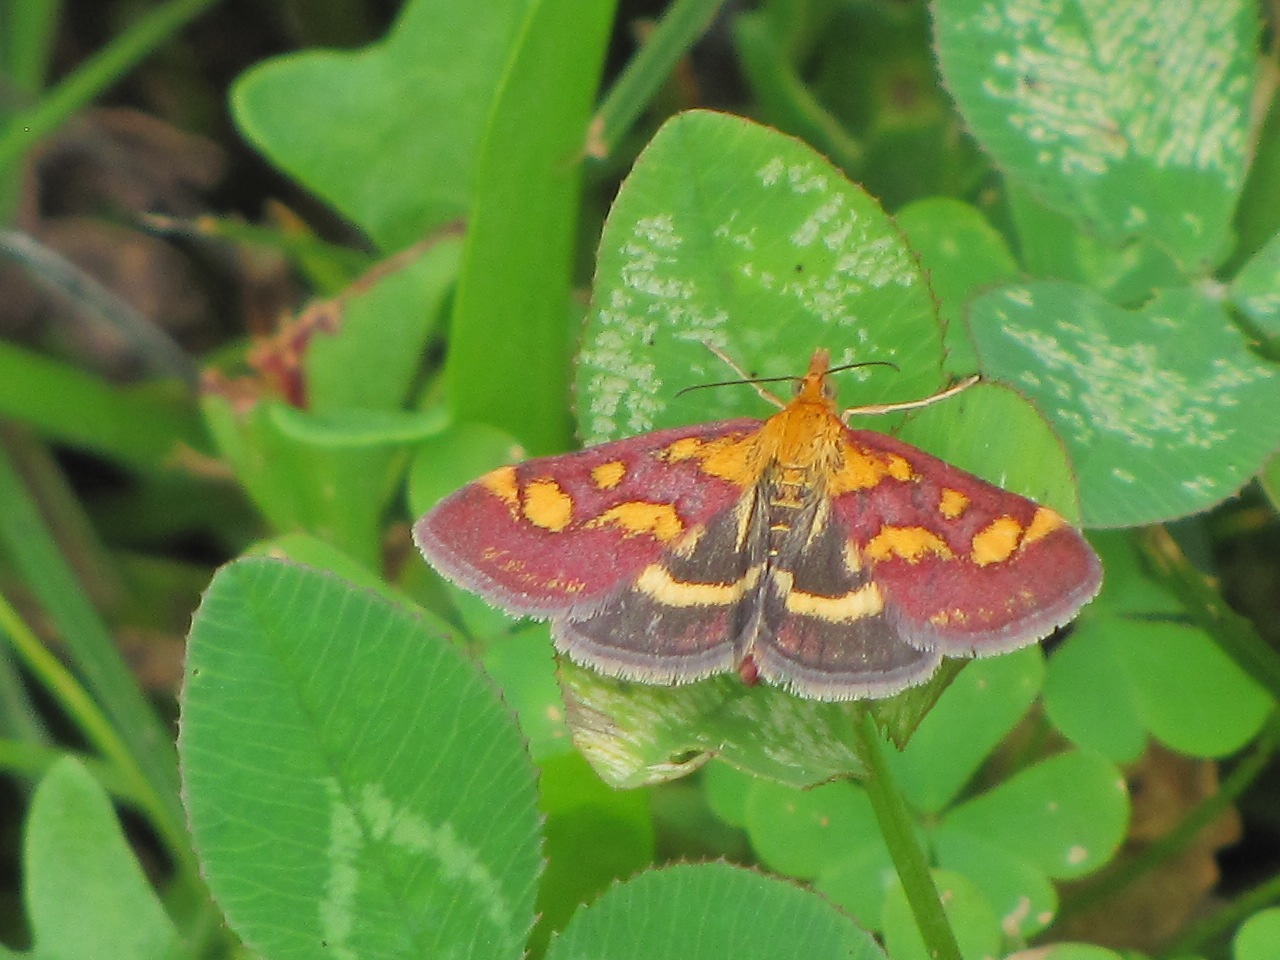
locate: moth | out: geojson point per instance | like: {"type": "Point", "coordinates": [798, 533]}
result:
{"type": "Point", "coordinates": [836, 563]}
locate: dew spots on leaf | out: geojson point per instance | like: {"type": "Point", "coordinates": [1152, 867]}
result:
{"type": "Point", "coordinates": [1012, 921]}
{"type": "Point", "coordinates": [1130, 391]}
{"type": "Point", "coordinates": [1200, 485]}
{"type": "Point", "coordinates": [771, 172]}
{"type": "Point", "coordinates": [659, 231]}
{"type": "Point", "coordinates": [1096, 83]}
{"type": "Point", "coordinates": [732, 232]}
{"type": "Point", "coordinates": [1019, 295]}
{"type": "Point", "coordinates": [623, 387]}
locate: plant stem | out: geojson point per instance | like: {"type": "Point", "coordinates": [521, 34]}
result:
{"type": "Point", "coordinates": [26, 128]}
{"type": "Point", "coordinates": [681, 26]}
{"type": "Point", "coordinates": [115, 714]}
{"type": "Point", "coordinates": [1233, 634]}
{"type": "Point", "coordinates": [1228, 918]}
{"type": "Point", "coordinates": [1198, 819]}
{"type": "Point", "coordinates": [899, 836]}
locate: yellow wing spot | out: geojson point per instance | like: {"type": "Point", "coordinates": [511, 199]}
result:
{"type": "Point", "coordinates": [852, 557]}
{"type": "Point", "coordinates": [866, 601]}
{"type": "Point", "coordinates": [899, 468]}
{"type": "Point", "coordinates": [608, 475]}
{"type": "Point", "coordinates": [546, 505]}
{"type": "Point", "coordinates": [1042, 524]}
{"type": "Point", "coordinates": [945, 618]}
{"type": "Point", "coordinates": [996, 541]}
{"type": "Point", "coordinates": [683, 449]}
{"type": "Point", "coordinates": [656, 581]}
{"type": "Point", "coordinates": [862, 470]}
{"type": "Point", "coordinates": [659, 520]}
{"type": "Point", "coordinates": [952, 503]}
{"type": "Point", "coordinates": [502, 484]}
{"type": "Point", "coordinates": [735, 459]}
{"type": "Point", "coordinates": [909, 543]}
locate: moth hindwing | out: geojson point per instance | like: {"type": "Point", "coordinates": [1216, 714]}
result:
{"type": "Point", "coordinates": [837, 563]}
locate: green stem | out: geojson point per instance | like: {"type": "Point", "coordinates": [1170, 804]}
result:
{"type": "Point", "coordinates": [27, 32]}
{"type": "Point", "coordinates": [683, 23]}
{"type": "Point", "coordinates": [62, 686]}
{"type": "Point", "coordinates": [1225, 920]}
{"type": "Point", "coordinates": [785, 97]}
{"type": "Point", "coordinates": [33, 760]}
{"type": "Point", "coordinates": [899, 836]}
{"type": "Point", "coordinates": [127, 729]}
{"type": "Point", "coordinates": [95, 75]}
{"type": "Point", "coordinates": [1177, 839]}
{"type": "Point", "coordinates": [1233, 634]}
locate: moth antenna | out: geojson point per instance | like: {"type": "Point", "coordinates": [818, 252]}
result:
{"type": "Point", "coordinates": [863, 363]}
{"type": "Point", "coordinates": [950, 391]}
{"type": "Point", "coordinates": [744, 377]}
{"type": "Point", "coordinates": [749, 381]}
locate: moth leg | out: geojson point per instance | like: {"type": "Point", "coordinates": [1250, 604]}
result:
{"type": "Point", "coordinates": [950, 391]}
{"type": "Point", "coordinates": [746, 377]}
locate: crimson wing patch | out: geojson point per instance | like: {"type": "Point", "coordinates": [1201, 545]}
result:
{"type": "Point", "coordinates": [560, 534]}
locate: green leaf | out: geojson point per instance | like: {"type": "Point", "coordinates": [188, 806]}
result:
{"type": "Point", "coordinates": [963, 254]}
{"type": "Point", "coordinates": [709, 912]}
{"type": "Point", "coordinates": [974, 714]}
{"type": "Point", "coordinates": [1066, 815]}
{"type": "Point", "coordinates": [381, 326]}
{"type": "Point", "coordinates": [1190, 695]}
{"type": "Point", "coordinates": [727, 789]}
{"type": "Point", "coordinates": [1131, 669]}
{"type": "Point", "coordinates": [308, 551]}
{"type": "Point", "coordinates": [1023, 897]}
{"type": "Point", "coordinates": [1255, 291]}
{"type": "Point", "coordinates": [1128, 118]}
{"type": "Point", "coordinates": [1257, 937]}
{"type": "Point", "coordinates": [971, 917]}
{"type": "Point", "coordinates": [595, 836]}
{"type": "Point", "coordinates": [1082, 951]}
{"type": "Point", "coordinates": [348, 428]}
{"type": "Point", "coordinates": [1053, 247]}
{"type": "Point", "coordinates": [524, 666]}
{"type": "Point", "coordinates": [636, 734]}
{"type": "Point", "coordinates": [1088, 698]}
{"type": "Point", "coordinates": [731, 233]}
{"type": "Point", "coordinates": [859, 880]}
{"type": "Point", "coordinates": [86, 894]}
{"type": "Point", "coordinates": [1164, 411]}
{"type": "Point", "coordinates": [375, 764]}
{"type": "Point", "coordinates": [801, 833]}
{"type": "Point", "coordinates": [389, 135]}
{"type": "Point", "coordinates": [513, 323]}
{"type": "Point", "coordinates": [142, 427]}
{"type": "Point", "coordinates": [329, 475]}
